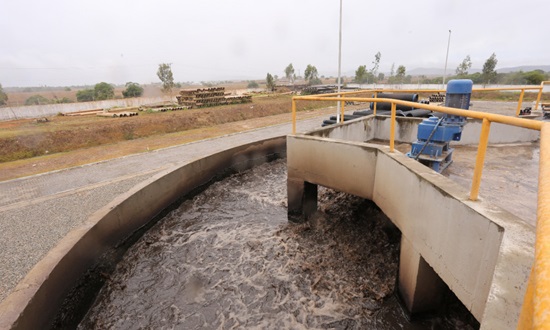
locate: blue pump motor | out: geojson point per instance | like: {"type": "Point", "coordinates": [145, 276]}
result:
{"type": "Point", "coordinates": [435, 133]}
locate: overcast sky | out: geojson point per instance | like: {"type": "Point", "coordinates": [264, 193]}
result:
{"type": "Point", "coordinates": [74, 42]}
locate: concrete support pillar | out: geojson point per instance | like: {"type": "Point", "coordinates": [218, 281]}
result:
{"type": "Point", "coordinates": [302, 199]}
{"type": "Point", "coordinates": [420, 287]}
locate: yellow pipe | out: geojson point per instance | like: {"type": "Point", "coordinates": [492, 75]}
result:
{"type": "Point", "coordinates": [392, 127]}
{"type": "Point", "coordinates": [294, 115]}
{"type": "Point", "coordinates": [480, 158]}
{"type": "Point", "coordinates": [520, 102]}
{"type": "Point", "coordinates": [534, 313]}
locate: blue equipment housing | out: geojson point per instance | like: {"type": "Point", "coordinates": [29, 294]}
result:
{"type": "Point", "coordinates": [435, 133]}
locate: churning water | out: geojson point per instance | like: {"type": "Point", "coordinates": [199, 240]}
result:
{"type": "Point", "coordinates": [228, 259]}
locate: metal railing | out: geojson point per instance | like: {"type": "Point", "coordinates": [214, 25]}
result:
{"type": "Point", "coordinates": [536, 307]}
{"type": "Point", "coordinates": [491, 89]}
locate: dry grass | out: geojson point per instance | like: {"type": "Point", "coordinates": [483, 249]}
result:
{"type": "Point", "coordinates": [25, 138]}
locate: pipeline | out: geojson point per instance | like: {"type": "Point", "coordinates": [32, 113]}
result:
{"type": "Point", "coordinates": [387, 106]}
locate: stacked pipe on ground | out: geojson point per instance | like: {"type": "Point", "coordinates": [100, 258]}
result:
{"type": "Point", "coordinates": [209, 97]}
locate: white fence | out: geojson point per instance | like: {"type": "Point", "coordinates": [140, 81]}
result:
{"type": "Point", "coordinates": [36, 111]}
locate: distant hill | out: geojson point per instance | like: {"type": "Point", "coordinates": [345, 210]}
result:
{"type": "Point", "coordinates": [451, 71]}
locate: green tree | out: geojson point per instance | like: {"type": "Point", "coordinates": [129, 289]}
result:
{"type": "Point", "coordinates": [252, 84]}
{"type": "Point", "coordinates": [392, 70]}
{"type": "Point", "coordinates": [37, 100]}
{"type": "Point", "coordinates": [311, 74]}
{"type": "Point", "coordinates": [361, 74]}
{"type": "Point", "coordinates": [376, 64]}
{"type": "Point", "coordinates": [165, 75]}
{"type": "Point", "coordinates": [381, 76]}
{"type": "Point", "coordinates": [488, 73]}
{"type": "Point", "coordinates": [534, 77]}
{"type": "Point", "coordinates": [270, 82]}
{"type": "Point", "coordinates": [61, 100]}
{"type": "Point", "coordinates": [462, 68]}
{"type": "Point", "coordinates": [85, 95]}
{"type": "Point", "coordinates": [401, 72]}
{"type": "Point", "coordinates": [104, 91]}
{"type": "Point", "coordinates": [132, 90]}
{"type": "Point", "coordinates": [289, 73]}
{"type": "Point", "coordinates": [3, 96]}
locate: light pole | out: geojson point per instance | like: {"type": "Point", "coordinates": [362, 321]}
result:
{"type": "Point", "coordinates": [339, 105]}
{"type": "Point", "coordinates": [446, 58]}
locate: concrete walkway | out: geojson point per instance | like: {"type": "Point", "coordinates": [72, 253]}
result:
{"type": "Point", "coordinates": [37, 211]}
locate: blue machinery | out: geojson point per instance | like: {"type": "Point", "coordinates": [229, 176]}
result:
{"type": "Point", "coordinates": [435, 133]}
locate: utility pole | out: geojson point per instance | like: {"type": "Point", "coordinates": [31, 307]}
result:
{"type": "Point", "coordinates": [446, 58]}
{"type": "Point", "coordinates": [339, 106]}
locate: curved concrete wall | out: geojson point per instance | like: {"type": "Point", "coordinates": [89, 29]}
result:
{"type": "Point", "coordinates": [38, 297]}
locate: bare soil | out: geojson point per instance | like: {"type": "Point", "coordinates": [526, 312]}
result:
{"type": "Point", "coordinates": [122, 147]}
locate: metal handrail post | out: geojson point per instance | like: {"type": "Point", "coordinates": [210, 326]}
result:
{"type": "Point", "coordinates": [540, 94]}
{"type": "Point", "coordinates": [342, 106]}
{"type": "Point", "coordinates": [293, 116]}
{"type": "Point", "coordinates": [520, 102]}
{"type": "Point", "coordinates": [392, 126]}
{"type": "Point", "coordinates": [375, 103]}
{"type": "Point", "coordinates": [480, 158]}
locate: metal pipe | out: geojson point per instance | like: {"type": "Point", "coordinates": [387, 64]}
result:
{"type": "Point", "coordinates": [480, 158]}
{"type": "Point", "coordinates": [392, 127]}
{"type": "Point", "coordinates": [520, 102]}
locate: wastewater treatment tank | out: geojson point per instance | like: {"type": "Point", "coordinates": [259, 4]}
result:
{"type": "Point", "coordinates": [229, 259]}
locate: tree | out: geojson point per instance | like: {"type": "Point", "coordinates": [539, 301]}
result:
{"type": "Point", "coordinates": [488, 73]}
{"type": "Point", "coordinates": [361, 74]}
{"type": "Point", "coordinates": [165, 75]}
{"type": "Point", "coordinates": [392, 70]}
{"type": "Point", "coordinates": [311, 74]}
{"type": "Point", "coordinates": [85, 95]}
{"type": "Point", "coordinates": [289, 73]}
{"type": "Point", "coordinates": [376, 64]}
{"type": "Point", "coordinates": [270, 82]}
{"type": "Point", "coordinates": [381, 76]}
{"type": "Point", "coordinates": [252, 84]}
{"type": "Point", "coordinates": [3, 96]}
{"type": "Point", "coordinates": [132, 90]}
{"type": "Point", "coordinates": [61, 100]}
{"type": "Point", "coordinates": [401, 71]}
{"type": "Point", "coordinates": [462, 68]}
{"type": "Point", "coordinates": [534, 77]}
{"type": "Point", "coordinates": [104, 91]}
{"type": "Point", "coordinates": [37, 100]}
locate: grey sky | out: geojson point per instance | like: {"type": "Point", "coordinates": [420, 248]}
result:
{"type": "Point", "coordinates": [73, 42]}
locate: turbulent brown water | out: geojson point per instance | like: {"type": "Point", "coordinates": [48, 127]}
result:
{"type": "Point", "coordinates": [228, 259]}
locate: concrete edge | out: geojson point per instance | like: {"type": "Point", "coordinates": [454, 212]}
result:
{"type": "Point", "coordinates": [35, 301]}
